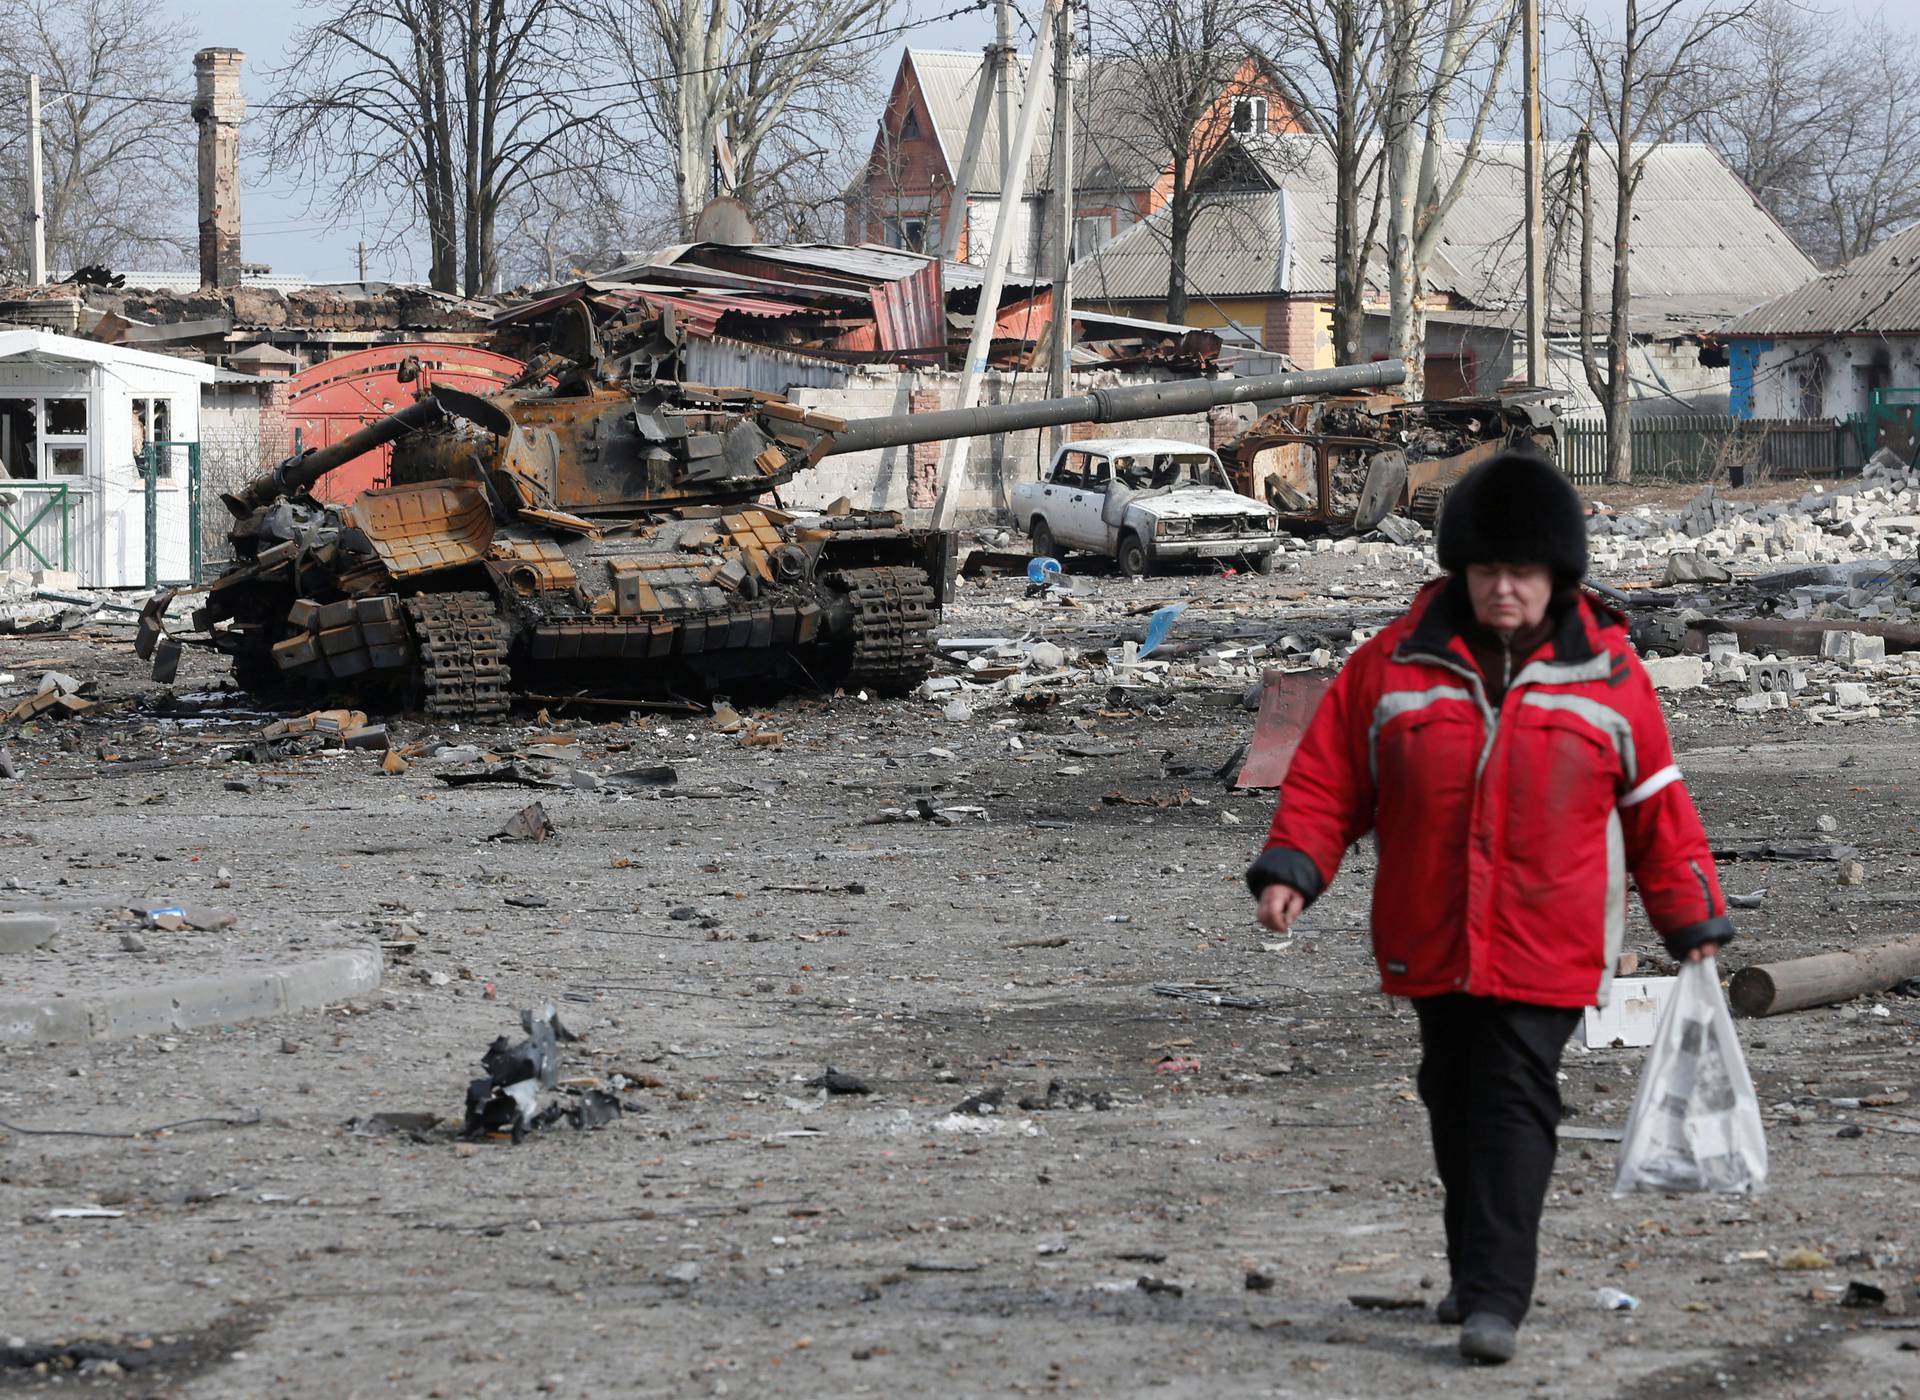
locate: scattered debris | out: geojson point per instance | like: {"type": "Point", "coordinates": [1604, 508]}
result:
{"type": "Point", "coordinates": [1613, 1300]}
{"type": "Point", "coordinates": [837, 1083]}
{"type": "Point", "coordinates": [528, 824]}
{"type": "Point", "coordinates": [508, 1098]}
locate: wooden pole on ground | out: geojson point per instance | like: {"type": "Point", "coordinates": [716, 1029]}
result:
{"type": "Point", "coordinates": [1771, 988]}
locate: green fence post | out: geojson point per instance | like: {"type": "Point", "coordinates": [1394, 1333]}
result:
{"type": "Point", "coordinates": [150, 453]}
{"type": "Point", "coordinates": [193, 513]}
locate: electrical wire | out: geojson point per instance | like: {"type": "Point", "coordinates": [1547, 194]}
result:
{"type": "Point", "coordinates": [674, 75]}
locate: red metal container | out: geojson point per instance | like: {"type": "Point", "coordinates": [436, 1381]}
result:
{"type": "Point", "coordinates": [339, 396]}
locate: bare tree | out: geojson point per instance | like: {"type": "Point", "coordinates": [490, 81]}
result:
{"type": "Point", "coordinates": [1819, 113]}
{"type": "Point", "coordinates": [118, 145]}
{"type": "Point", "coordinates": [437, 113]}
{"type": "Point", "coordinates": [1433, 53]}
{"type": "Point", "coordinates": [1326, 62]}
{"type": "Point", "coordinates": [749, 97]}
{"type": "Point", "coordinates": [1168, 74]}
{"type": "Point", "coordinates": [1637, 87]}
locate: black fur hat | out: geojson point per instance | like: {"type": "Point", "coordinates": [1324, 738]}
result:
{"type": "Point", "coordinates": [1517, 508]}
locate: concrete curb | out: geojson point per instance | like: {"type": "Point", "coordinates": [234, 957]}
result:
{"type": "Point", "coordinates": [255, 994]}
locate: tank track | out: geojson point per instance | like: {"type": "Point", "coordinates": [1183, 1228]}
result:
{"type": "Point", "coordinates": [463, 654]}
{"type": "Point", "coordinates": [893, 617]}
{"type": "Point", "coordinates": [1425, 507]}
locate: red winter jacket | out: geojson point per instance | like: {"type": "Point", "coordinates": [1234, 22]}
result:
{"type": "Point", "coordinates": [1504, 839]}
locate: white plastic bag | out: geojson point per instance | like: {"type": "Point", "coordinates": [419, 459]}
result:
{"type": "Point", "coordinates": [1695, 1124]}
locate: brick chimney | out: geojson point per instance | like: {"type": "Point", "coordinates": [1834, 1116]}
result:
{"type": "Point", "coordinates": [217, 108]}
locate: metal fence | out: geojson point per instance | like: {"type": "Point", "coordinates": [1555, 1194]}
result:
{"type": "Point", "coordinates": [36, 525]}
{"type": "Point", "coordinates": [1702, 447]}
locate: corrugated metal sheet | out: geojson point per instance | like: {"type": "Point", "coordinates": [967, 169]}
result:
{"type": "Point", "coordinates": [1877, 293]}
{"type": "Point", "coordinates": [735, 364]}
{"type": "Point", "coordinates": [910, 313]}
{"type": "Point", "coordinates": [1703, 249]}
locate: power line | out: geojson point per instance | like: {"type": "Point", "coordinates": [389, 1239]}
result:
{"type": "Point", "coordinates": [588, 90]}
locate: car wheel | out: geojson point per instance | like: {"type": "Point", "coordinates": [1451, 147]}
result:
{"type": "Point", "coordinates": [1044, 543]}
{"type": "Point", "coordinates": [1132, 556]}
{"type": "Point", "coordinates": [1265, 563]}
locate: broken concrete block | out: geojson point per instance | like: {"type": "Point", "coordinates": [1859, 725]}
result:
{"type": "Point", "coordinates": [1862, 648]}
{"type": "Point", "coordinates": [1676, 672]}
{"type": "Point", "coordinates": [1852, 872]}
{"type": "Point", "coordinates": [22, 933]}
{"type": "Point", "coordinates": [1851, 695]}
{"type": "Point", "coordinates": [1045, 656]}
{"type": "Point", "coordinates": [1753, 704]}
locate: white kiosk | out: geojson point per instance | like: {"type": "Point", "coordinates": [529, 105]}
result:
{"type": "Point", "coordinates": [76, 418]}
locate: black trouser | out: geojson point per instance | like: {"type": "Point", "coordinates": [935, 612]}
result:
{"type": "Point", "coordinates": [1488, 1077]}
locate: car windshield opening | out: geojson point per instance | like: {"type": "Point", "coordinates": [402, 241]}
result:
{"type": "Point", "coordinates": [1170, 469]}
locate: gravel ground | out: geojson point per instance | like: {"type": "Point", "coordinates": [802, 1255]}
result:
{"type": "Point", "coordinates": [719, 941]}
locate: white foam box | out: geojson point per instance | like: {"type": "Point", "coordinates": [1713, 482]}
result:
{"type": "Point", "coordinates": [1631, 1012]}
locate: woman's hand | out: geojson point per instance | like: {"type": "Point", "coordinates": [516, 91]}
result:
{"type": "Point", "coordinates": [1705, 950]}
{"type": "Point", "coordinates": [1280, 905]}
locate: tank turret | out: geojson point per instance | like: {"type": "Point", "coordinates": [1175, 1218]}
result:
{"type": "Point", "coordinates": [583, 535]}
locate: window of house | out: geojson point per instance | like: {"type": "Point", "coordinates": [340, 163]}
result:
{"type": "Point", "coordinates": [20, 439]}
{"type": "Point", "coordinates": [66, 461]}
{"type": "Point", "coordinates": [910, 125]}
{"type": "Point", "coordinates": [907, 233]}
{"type": "Point", "coordinates": [1249, 114]}
{"type": "Point", "coordinates": [153, 424]}
{"type": "Point", "coordinates": [66, 417]}
{"type": "Point", "coordinates": [1091, 232]}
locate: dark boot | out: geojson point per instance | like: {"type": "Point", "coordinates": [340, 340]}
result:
{"type": "Point", "coordinates": [1490, 1338]}
{"type": "Point", "coordinates": [1446, 1312]}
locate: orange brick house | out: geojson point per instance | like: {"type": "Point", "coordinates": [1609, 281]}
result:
{"type": "Point", "coordinates": [1122, 168]}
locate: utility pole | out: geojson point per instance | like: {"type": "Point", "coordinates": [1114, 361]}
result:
{"type": "Point", "coordinates": [1003, 81]}
{"type": "Point", "coordinates": [1060, 367]}
{"type": "Point", "coordinates": [955, 223]}
{"type": "Point", "coordinates": [37, 199]}
{"type": "Point", "coordinates": [1536, 212]}
{"type": "Point", "coordinates": [362, 251]}
{"type": "Point", "coordinates": [1013, 179]}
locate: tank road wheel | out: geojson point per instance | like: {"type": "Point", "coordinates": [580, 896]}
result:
{"type": "Point", "coordinates": [893, 615]}
{"type": "Point", "coordinates": [1044, 544]}
{"type": "Point", "coordinates": [463, 654]}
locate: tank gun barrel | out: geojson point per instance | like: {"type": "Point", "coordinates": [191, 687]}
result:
{"type": "Point", "coordinates": [302, 469]}
{"type": "Point", "coordinates": [1114, 405]}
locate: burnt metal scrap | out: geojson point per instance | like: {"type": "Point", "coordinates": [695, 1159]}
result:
{"type": "Point", "coordinates": [1347, 461]}
{"type": "Point", "coordinates": [508, 1098]}
{"type": "Point", "coordinates": [607, 536]}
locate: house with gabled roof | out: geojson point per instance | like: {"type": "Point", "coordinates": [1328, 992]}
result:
{"type": "Point", "coordinates": [1122, 166]}
{"type": "Point", "coordinates": [1260, 268]}
{"type": "Point", "coordinates": [1843, 343]}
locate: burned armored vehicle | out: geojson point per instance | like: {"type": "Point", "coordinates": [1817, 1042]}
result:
{"type": "Point", "coordinates": [582, 535]}
{"type": "Point", "coordinates": [1345, 462]}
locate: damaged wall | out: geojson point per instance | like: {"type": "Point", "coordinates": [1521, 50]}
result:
{"type": "Point", "coordinates": [885, 480]}
{"type": "Point", "coordinates": [1826, 378]}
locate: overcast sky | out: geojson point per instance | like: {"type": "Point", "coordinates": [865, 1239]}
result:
{"type": "Point", "coordinates": [279, 227]}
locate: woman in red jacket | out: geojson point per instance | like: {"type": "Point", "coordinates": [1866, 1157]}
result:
{"type": "Point", "coordinates": [1504, 745]}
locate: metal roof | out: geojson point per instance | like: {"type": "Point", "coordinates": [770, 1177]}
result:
{"type": "Point", "coordinates": [1878, 293]}
{"type": "Point", "coordinates": [1703, 249]}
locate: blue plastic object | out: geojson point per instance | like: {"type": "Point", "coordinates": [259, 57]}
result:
{"type": "Point", "coordinates": [1042, 567]}
{"type": "Point", "coordinates": [1159, 625]}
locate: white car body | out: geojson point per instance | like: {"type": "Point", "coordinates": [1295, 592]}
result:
{"type": "Point", "coordinates": [1099, 492]}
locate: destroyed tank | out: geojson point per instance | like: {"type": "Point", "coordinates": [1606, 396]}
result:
{"type": "Point", "coordinates": [581, 536]}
